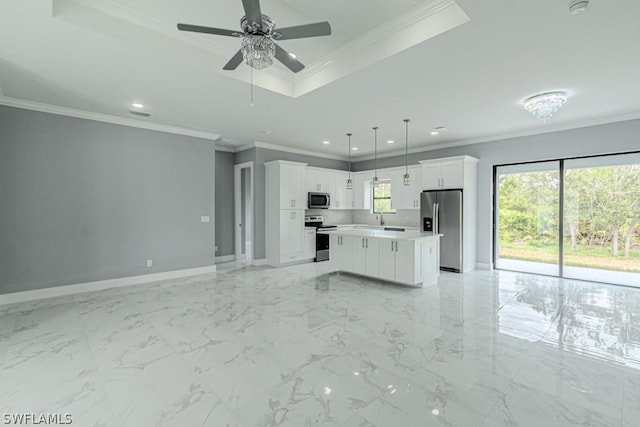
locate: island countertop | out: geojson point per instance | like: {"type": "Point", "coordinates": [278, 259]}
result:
{"type": "Point", "coordinates": [381, 234]}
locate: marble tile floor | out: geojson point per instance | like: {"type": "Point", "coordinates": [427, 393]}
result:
{"type": "Point", "coordinates": [300, 346]}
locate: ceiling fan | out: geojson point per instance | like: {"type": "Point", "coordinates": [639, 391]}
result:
{"type": "Point", "coordinates": [258, 34]}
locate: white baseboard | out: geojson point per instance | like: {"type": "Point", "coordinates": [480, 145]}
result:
{"type": "Point", "coordinates": [225, 258]}
{"type": "Point", "coordinates": [261, 261]}
{"type": "Point", "coordinates": [64, 290]}
{"type": "Point", "coordinates": [483, 266]}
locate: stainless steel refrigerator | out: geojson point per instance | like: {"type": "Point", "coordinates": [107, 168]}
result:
{"type": "Point", "coordinates": [441, 212]}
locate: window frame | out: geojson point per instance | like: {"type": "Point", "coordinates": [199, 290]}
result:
{"type": "Point", "coordinates": [374, 198]}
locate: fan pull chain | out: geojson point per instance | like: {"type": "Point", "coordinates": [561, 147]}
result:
{"type": "Point", "coordinates": [251, 103]}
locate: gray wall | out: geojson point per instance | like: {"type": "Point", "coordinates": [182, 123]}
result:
{"type": "Point", "coordinates": [224, 203]}
{"type": "Point", "coordinates": [609, 138]}
{"type": "Point", "coordinates": [260, 156]}
{"type": "Point", "coordinates": [83, 201]}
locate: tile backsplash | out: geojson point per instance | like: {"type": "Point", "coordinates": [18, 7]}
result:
{"type": "Point", "coordinates": [332, 216]}
{"type": "Point", "coordinates": [406, 217]}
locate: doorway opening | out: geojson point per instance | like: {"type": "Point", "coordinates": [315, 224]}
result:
{"type": "Point", "coordinates": [243, 211]}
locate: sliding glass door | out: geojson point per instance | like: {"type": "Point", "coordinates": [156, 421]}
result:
{"type": "Point", "coordinates": [601, 219]}
{"type": "Point", "coordinates": [573, 218]}
{"type": "Point", "coordinates": [527, 217]}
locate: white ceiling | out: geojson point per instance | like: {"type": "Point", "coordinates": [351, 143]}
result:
{"type": "Point", "coordinates": [466, 65]}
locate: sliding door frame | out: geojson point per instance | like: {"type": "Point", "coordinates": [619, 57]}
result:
{"type": "Point", "coordinates": [561, 169]}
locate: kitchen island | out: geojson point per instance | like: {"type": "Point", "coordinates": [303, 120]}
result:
{"type": "Point", "coordinates": [409, 257]}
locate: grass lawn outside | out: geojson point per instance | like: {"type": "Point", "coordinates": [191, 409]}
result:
{"type": "Point", "coordinates": [589, 257]}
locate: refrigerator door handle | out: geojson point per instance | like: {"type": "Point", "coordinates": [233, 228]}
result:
{"type": "Point", "coordinates": [436, 219]}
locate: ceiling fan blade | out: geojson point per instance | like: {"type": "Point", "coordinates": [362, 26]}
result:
{"type": "Point", "coordinates": [303, 31]}
{"type": "Point", "coordinates": [289, 61]}
{"type": "Point", "coordinates": [234, 61]}
{"type": "Point", "coordinates": [252, 11]}
{"type": "Point", "coordinates": [209, 30]}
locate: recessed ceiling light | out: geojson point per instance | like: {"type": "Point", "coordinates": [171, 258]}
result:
{"type": "Point", "coordinates": [293, 55]}
{"type": "Point", "coordinates": [326, 142]}
{"type": "Point", "coordinates": [137, 105]}
{"type": "Point", "coordinates": [354, 149]}
{"type": "Point", "coordinates": [435, 132]}
{"type": "Point", "coordinates": [391, 141]}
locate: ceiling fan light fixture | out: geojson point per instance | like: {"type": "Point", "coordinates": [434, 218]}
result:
{"type": "Point", "coordinates": [257, 51]}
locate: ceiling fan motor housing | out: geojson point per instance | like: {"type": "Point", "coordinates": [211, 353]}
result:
{"type": "Point", "coordinates": [252, 28]}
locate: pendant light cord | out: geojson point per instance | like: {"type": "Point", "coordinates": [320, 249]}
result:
{"type": "Point", "coordinates": [406, 146]}
{"type": "Point", "coordinates": [349, 135]}
{"type": "Point", "coordinates": [375, 151]}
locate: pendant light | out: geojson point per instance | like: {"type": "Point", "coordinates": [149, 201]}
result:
{"type": "Point", "coordinates": [407, 178]}
{"type": "Point", "coordinates": [349, 181]}
{"type": "Point", "coordinates": [375, 154]}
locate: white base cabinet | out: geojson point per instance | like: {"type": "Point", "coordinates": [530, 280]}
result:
{"type": "Point", "coordinates": [411, 262]}
{"type": "Point", "coordinates": [401, 261]}
{"type": "Point", "coordinates": [310, 243]}
{"type": "Point", "coordinates": [341, 253]}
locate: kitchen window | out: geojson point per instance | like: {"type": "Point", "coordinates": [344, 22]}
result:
{"type": "Point", "coordinates": [382, 198]}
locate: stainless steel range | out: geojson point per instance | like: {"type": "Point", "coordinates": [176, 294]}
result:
{"type": "Point", "coordinates": [322, 240]}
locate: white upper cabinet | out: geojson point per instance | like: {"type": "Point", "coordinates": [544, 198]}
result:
{"type": "Point", "coordinates": [453, 174]}
{"type": "Point", "coordinates": [361, 190]}
{"type": "Point", "coordinates": [406, 196]}
{"type": "Point", "coordinates": [292, 194]}
{"type": "Point", "coordinates": [318, 180]}
{"type": "Point", "coordinates": [441, 174]}
{"type": "Point", "coordinates": [341, 198]}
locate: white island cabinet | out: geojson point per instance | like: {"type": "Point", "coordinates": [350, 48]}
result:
{"type": "Point", "coordinates": [409, 257]}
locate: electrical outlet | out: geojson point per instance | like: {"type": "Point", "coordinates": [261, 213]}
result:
{"type": "Point", "coordinates": [204, 219]}
{"type": "Point", "coordinates": [149, 263]}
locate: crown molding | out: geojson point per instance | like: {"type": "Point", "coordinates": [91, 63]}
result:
{"type": "Point", "coordinates": [519, 134]}
{"type": "Point", "coordinates": [416, 25]}
{"type": "Point", "coordinates": [105, 118]}
{"type": "Point", "coordinates": [226, 148]}
{"type": "Point", "coordinates": [287, 149]}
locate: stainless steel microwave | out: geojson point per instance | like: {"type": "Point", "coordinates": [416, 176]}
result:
{"type": "Point", "coordinates": [319, 200]}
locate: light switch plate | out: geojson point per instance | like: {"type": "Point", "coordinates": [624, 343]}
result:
{"type": "Point", "coordinates": [204, 219]}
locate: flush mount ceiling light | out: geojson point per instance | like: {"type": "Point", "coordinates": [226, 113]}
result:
{"type": "Point", "coordinates": [543, 106]}
{"type": "Point", "coordinates": [577, 7]}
